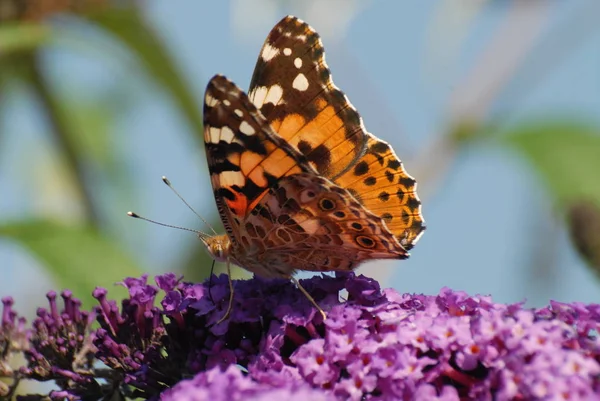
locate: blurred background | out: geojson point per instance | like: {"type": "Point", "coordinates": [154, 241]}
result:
{"type": "Point", "coordinates": [493, 106]}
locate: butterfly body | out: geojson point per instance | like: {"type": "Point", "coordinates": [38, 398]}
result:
{"type": "Point", "coordinates": [299, 182]}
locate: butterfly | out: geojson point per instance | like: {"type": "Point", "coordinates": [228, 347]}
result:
{"type": "Point", "coordinates": [299, 182]}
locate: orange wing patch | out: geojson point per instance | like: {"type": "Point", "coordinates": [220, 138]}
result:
{"type": "Point", "coordinates": [380, 183]}
{"type": "Point", "coordinates": [322, 140]}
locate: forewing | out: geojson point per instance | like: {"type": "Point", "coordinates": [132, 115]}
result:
{"type": "Point", "coordinates": [292, 88]}
{"type": "Point", "coordinates": [245, 156]}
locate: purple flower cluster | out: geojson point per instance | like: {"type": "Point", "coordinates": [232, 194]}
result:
{"type": "Point", "coordinates": [374, 345]}
{"type": "Point", "coordinates": [57, 347]}
{"type": "Point", "coordinates": [131, 340]}
{"type": "Point", "coordinates": [60, 342]}
{"type": "Point", "coordinates": [13, 339]}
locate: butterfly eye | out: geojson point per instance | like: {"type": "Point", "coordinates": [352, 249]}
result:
{"type": "Point", "coordinates": [365, 242]}
{"type": "Point", "coordinates": [326, 204]}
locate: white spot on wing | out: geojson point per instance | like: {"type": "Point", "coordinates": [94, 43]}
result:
{"type": "Point", "coordinates": [274, 94]}
{"type": "Point", "coordinates": [226, 102]}
{"type": "Point", "coordinates": [214, 134]}
{"type": "Point", "coordinates": [247, 129]}
{"type": "Point", "coordinates": [238, 113]}
{"type": "Point", "coordinates": [230, 178]}
{"type": "Point", "coordinates": [258, 96]}
{"type": "Point", "coordinates": [287, 51]}
{"type": "Point", "coordinates": [298, 62]}
{"type": "Point", "coordinates": [300, 83]}
{"type": "Point", "coordinates": [269, 52]}
{"type": "Point", "coordinates": [227, 134]}
{"type": "Point", "coordinates": [209, 100]}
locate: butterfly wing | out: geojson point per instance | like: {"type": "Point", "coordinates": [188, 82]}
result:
{"type": "Point", "coordinates": [293, 89]}
{"type": "Point", "coordinates": [306, 222]}
{"type": "Point", "coordinates": [245, 156]}
{"type": "Point", "coordinates": [380, 183]}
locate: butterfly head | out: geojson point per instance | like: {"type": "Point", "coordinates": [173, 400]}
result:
{"type": "Point", "coordinates": [217, 245]}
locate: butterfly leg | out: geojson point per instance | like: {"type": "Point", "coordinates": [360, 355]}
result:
{"type": "Point", "coordinates": [230, 306]}
{"type": "Point", "coordinates": [310, 298]}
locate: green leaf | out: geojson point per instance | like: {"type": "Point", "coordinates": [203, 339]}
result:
{"type": "Point", "coordinates": [78, 258]}
{"type": "Point", "coordinates": [133, 32]}
{"type": "Point", "coordinates": [566, 154]}
{"type": "Point", "coordinates": [90, 124]}
{"type": "Point", "coordinates": [583, 221]}
{"type": "Point", "coordinates": [20, 37]}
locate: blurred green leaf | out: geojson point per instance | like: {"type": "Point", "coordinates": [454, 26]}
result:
{"type": "Point", "coordinates": [583, 221]}
{"type": "Point", "coordinates": [91, 124]}
{"type": "Point", "coordinates": [139, 37]}
{"type": "Point", "coordinates": [19, 37]}
{"type": "Point", "coordinates": [78, 258]}
{"type": "Point", "coordinates": [566, 154]}
{"type": "Point", "coordinates": [60, 126]}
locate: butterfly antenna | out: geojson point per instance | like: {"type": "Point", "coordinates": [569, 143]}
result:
{"type": "Point", "coordinates": [137, 216]}
{"type": "Point", "coordinates": [168, 183]}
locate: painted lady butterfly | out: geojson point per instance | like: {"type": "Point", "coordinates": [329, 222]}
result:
{"type": "Point", "coordinates": [299, 182]}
